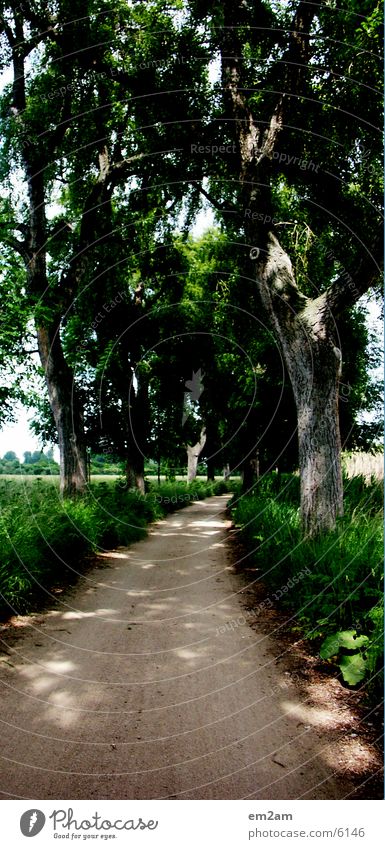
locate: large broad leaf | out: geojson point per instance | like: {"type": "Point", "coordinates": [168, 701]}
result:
{"type": "Point", "coordinates": [341, 640]}
{"type": "Point", "coordinates": [349, 640]}
{"type": "Point", "coordinates": [330, 646]}
{"type": "Point", "coordinates": [353, 668]}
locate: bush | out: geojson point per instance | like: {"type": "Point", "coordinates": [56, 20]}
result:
{"type": "Point", "coordinates": [340, 588]}
{"type": "Point", "coordinates": [44, 539]}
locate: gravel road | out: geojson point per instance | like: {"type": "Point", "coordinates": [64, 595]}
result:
{"type": "Point", "coordinates": [147, 681]}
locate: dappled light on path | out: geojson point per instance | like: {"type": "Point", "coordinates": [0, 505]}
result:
{"type": "Point", "coordinates": [149, 682]}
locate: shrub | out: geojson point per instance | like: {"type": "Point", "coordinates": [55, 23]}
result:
{"type": "Point", "coordinates": [340, 589]}
{"type": "Point", "coordinates": [44, 539]}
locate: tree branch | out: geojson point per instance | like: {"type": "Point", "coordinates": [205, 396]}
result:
{"type": "Point", "coordinates": [222, 207]}
{"type": "Point", "coordinates": [349, 288]}
{"type": "Point", "coordinates": [118, 171]}
{"type": "Point", "coordinates": [255, 144]}
{"type": "Point", "coordinates": [20, 247]}
{"type": "Point", "coordinates": [295, 61]}
{"type": "Point", "coordinates": [8, 31]}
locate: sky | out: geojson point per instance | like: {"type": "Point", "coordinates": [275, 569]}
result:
{"type": "Point", "coordinates": [18, 437]}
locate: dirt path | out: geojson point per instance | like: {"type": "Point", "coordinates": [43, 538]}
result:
{"type": "Point", "coordinates": [148, 682]}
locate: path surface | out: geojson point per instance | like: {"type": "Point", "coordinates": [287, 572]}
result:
{"type": "Point", "coordinates": [147, 681]}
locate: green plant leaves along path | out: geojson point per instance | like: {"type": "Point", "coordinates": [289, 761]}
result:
{"type": "Point", "coordinates": [148, 681]}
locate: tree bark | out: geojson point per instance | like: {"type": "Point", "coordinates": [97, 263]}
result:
{"type": "Point", "coordinates": [66, 410]}
{"type": "Point", "coordinates": [319, 446]}
{"type": "Point", "coordinates": [193, 453]}
{"type": "Point", "coordinates": [135, 473]}
{"type": "Point", "coordinates": [305, 331]}
{"type": "Point", "coordinates": [315, 372]}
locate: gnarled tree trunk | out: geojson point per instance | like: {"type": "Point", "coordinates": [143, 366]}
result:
{"type": "Point", "coordinates": [250, 471]}
{"type": "Point", "coordinates": [305, 331]}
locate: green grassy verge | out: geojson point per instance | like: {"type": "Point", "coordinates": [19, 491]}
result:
{"type": "Point", "coordinates": [333, 585]}
{"type": "Point", "coordinates": [44, 540]}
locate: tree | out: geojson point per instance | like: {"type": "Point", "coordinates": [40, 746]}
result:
{"type": "Point", "coordinates": [76, 105]}
{"type": "Point", "coordinates": [257, 60]}
{"type": "Point", "coordinates": [100, 121]}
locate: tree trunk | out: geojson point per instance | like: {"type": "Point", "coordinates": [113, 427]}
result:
{"type": "Point", "coordinates": [193, 452]}
{"type": "Point", "coordinates": [319, 452]}
{"type": "Point", "coordinates": [314, 369]}
{"type": "Point", "coordinates": [247, 475]}
{"type": "Point", "coordinates": [226, 472]}
{"type": "Point", "coordinates": [135, 474]}
{"type": "Point", "coordinates": [134, 469]}
{"type": "Point", "coordinates": [210, 470]}
{"type": "Point", "coordinates": [66, 410]}
{"type": "Point", "coordinates": [136, 436]}
{"type": "Point", "coordinates": [305, 330]}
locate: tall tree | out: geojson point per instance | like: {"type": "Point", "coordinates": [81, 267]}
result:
{"type": "Point", "coordinates": [278, 76]}
{"type": "Point", "coordinates": [78, 126]}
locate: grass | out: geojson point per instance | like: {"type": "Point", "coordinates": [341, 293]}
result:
{"type": "Point", "coordinates": [331, 584]}
{"type": "Point", "coordinates": [44, 540]}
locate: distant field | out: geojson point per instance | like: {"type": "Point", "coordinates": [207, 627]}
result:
{"type": "Point", "coordinates": [102, 478]}
{"type": "Point", "coordinates": [364, 464]}
{"type": "Point", "coordinates": [360, 463]}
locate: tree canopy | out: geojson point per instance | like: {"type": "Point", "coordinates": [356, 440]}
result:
{"type": "Point", "coordinates": [122, 125]}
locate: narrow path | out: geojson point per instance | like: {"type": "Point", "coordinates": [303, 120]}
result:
{"type": "Point", "coordinates": [148, 682]}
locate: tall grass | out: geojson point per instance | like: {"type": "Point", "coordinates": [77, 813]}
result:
{"type": "Point", "coordinates": [332, 583]}
{"type": "Point", "coordinates": [44, 540]}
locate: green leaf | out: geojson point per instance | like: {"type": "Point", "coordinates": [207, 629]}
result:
{"type": "Point", "coordinates": [353, 668]}
{"type": "Point", "coordinates": [349, 640]}
{"type": "Point", "coordinates": [330, 647]}
{"type": "Point", "coordinates": [341, 640]}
